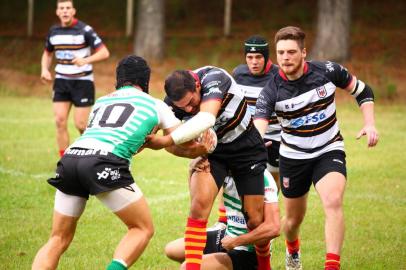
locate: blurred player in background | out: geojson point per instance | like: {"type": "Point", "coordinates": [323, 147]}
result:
{"type": "Point", "coordinates": [72, 41]}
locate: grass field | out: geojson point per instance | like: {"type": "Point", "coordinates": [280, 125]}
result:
{"type": "Point", "coordinates": [375, 199]}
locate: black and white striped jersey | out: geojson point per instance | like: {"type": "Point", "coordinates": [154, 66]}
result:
{"type": "Point", "coordinates": [306, 109]}
{"type": "Point", "coordinates": [76, 40]}
{"type": "Point", "coordinates": [252, 86]}
{"type": "Point", "coordinates": [234, 117]}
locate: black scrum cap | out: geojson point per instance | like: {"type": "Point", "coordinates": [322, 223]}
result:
{"type": "Point", "coordinates": [134, 70]}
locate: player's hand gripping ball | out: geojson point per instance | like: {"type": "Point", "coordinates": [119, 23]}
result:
{"type": "Point", "coordinates": [211, 136]}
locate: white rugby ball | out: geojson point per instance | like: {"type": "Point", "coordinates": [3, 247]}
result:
{"type": "Point", "coordinates": [213, 137]}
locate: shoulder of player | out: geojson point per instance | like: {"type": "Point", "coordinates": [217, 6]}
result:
{"type": "Point", "coordinates": [84, 26]}
{"type": "Point", "coordinates": [214, 76]}
{"type": "Point", "coordinates": [240, 70]}
{"type": "Point", "coordinates": [324, 67]}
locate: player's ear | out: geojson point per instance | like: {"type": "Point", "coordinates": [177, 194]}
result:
{"type": "Point", "coordinates": [304, 53]}
{"type": "Point", "coordinates": [197, 83]}
{"type": "Point", "coordinates": [74, 11]}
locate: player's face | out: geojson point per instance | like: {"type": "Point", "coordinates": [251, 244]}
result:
{"type": "Point", "coordinates": [290, 58]}
{"type": "Point", "coordinates": [255, 63]}
{"type": "Point", "coordinates": [65, 11]}
{"type": "Point", "coordinates": [190, 103]}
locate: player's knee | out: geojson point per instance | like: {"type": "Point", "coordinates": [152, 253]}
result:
{"type": "Point", "coordinates": [199, 209]}
{"type": "Point", "coordinates": [61, 122]}
{"type": "Point", "coordinates": [333, 201]}
{"type": "Point", "coordinates": [254, 221]}
{"type": "Point", "coordinates": [149, 231]}
{"type": "Point", "coordinates": [293, 221]}
{"type": "Point", "coordinates": [81, 126]}
{"type": "Point", "coordinates": [61, 242]}
{"type": "Point", "coordinates": [172, 253]}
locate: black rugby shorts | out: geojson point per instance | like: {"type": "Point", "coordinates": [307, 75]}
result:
{"type": "Point", "coordinates": [213, 242]}
{"type": "Point", "coordinates": [297, 175]}
{"type": "Point", "coordinates": [273, 153]}
{"type": "Point", "coordinates": [80, 92]}
{"type": "Point", "coordinates": [84, 172]}
{"type": "Point", "coordinates": [243, 260]}
{"type": "Point", "coordinates": [245, 159]}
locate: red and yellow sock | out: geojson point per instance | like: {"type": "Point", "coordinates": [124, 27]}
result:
{"type": "Point", "coordinates": [222, 214]}
{"type": "Point", "coordinates": [332, 261]}
{"type": "Point", "coordinates": [293, 247]}
{"type": "Point", "coordinates": [61, 152]}
{"type": "Point", "coordinates": [195, 242]}
{"type": "Point", "coordinates": [263, 256]}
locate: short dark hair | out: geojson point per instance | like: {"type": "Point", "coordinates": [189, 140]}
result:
{"type": "Point", "coordinates": [133, 70]}
{"type": "Point", "coordinates": [178, 84]}
{"type": "Point", "coordinates": [292, 33]}
{"type": "Point", "coordinates": [62, 1]}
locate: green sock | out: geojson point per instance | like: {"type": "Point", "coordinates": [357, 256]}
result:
{"type": "Point", "coordinates": [115, 265]}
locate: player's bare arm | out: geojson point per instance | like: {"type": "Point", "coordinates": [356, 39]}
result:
{"type": "Point", "coordinates": [100, 54]}
{"type": "Point", "coordinates": [261, 125]}
{"type": "Point", "coordinates": [190, 130]}
{"type": "Point", "coordinates": [46, 61]}
{"type": "Point", "coordinates": [266, 231]}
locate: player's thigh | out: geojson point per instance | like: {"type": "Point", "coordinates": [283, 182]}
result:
{"type": "Point", "coordinates": [129, 205]}
{"type": "Point", "coordinates": [81, 116]}
{"type": "Point", "coordinates": [69, 205]}
{"type": "Point", "coordinates": [219, 261]}
{"type": "Point", "coordinates": [175, 250]}
{"type": "Point", "coordinates": [331, 189]}
{"type": "Point", "coordinates": [61, 111]}
{"type": "Point", "coordinates": [67, 211]}
{"type": "Point", "coordinates": [295, 208]}
{"type": "Point", "coordinates": [203, 189]}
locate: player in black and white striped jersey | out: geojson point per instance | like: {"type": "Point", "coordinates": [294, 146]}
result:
{"type": "Point", "coordinates": [312, 148]}
{"type": "Point", "coordinates": [211, 97]}
{"type": "Point", "coordinates": [252, 77]}
{"type": "Point", "coordinates": [72, 41]}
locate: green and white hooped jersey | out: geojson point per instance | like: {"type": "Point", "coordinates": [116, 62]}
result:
{"type": "Point", "coordinates": [236, 224]}
{"type": "Point", "coordinates": [120, 121]}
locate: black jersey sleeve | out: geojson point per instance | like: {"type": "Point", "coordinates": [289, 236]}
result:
{"type": "Point", "coordinates": [48, 45]}
{"type": "Point", "coordinates": [215, 84]}
{"type": "Point", "coordinates": [266, 101]}
{"type": "Point", "coordinates": [91, 37]}
{"type": "Point", "coordinates": [337, 74]}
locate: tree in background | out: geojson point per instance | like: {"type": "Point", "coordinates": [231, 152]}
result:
{"type": "Point", "coordinates": [333, 27]}
{"type": "Point", "coordinates": [150, 29]}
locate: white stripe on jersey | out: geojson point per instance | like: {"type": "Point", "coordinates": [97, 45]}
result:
{"type": "Point", "coordinates": [230, 110]}
{"type": "Point", "coordinates": [72, 69]}
{"type": "Point", "coordinates": [67, 40]}
{"type": "Point", "coordinates": [300, 102]}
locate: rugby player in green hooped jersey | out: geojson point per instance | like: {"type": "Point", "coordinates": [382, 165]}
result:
{"type": "Point", "coordinates": [98, 163]}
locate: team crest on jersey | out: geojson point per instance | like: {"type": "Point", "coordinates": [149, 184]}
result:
{"type": "Point", "coordinates": [321, 91]}
{"type": "Point", "coordinates": [285, 181]}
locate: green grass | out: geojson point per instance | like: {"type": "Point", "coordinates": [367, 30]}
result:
{"type": "Point", "coordinates": [375, 199]}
